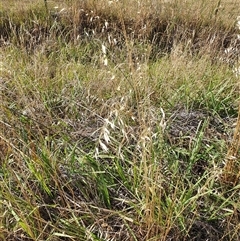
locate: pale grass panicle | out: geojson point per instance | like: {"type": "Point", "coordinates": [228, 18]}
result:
{"type": "Point", "coordinates": [104, 136]}
{"type": "Point", "coordinates": [104, 55]}
{"type": "Point", "coordinates": [233, 51]}
{"type": "Point", "coordinates": [238, 23]}
{"type": "Point", "coordinates": [236, 68]}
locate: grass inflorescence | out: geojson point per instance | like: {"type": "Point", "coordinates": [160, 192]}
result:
{"type": "Point", "coordinates": [119, 120]}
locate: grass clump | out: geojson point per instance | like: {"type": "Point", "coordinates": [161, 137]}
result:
{"type": "Point", "coordinates": [116, 120]}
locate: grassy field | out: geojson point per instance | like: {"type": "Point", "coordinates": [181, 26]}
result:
{"type": "Point", "coordinates": [119, 120]}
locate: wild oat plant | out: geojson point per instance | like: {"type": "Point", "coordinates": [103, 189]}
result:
{"type": "Point", "coordinates": [119, 120]}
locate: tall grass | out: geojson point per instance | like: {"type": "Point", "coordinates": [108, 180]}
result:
{"type": "Point", "coordinates": [116, 119]}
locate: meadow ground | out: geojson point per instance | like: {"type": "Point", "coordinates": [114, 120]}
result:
{"type": "Point", "coordinates": [119, 120]}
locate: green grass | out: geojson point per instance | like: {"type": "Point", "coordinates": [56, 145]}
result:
{"type": "Point", "coordinates": [129, 150]}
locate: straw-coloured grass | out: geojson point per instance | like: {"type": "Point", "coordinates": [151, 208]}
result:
{"type": "Point", "coordinates": [117, 120]}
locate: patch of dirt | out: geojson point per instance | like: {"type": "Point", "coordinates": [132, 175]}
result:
{"type": "Point", "coordinates": [202, 231]}
{"type": "Point", "coordinates": [185, 125]}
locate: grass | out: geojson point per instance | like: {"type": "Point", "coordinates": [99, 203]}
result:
{"type": "Point", "coordinates": [136, 142]}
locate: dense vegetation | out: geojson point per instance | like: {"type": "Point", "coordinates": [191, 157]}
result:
{"type": "Point", "coordinates": [119, 120]}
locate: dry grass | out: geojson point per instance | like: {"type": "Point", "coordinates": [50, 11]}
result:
{"type": "Point", "coordinates": [231, 171]}
{"type": "Point", "coordinates": [115, 121]}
